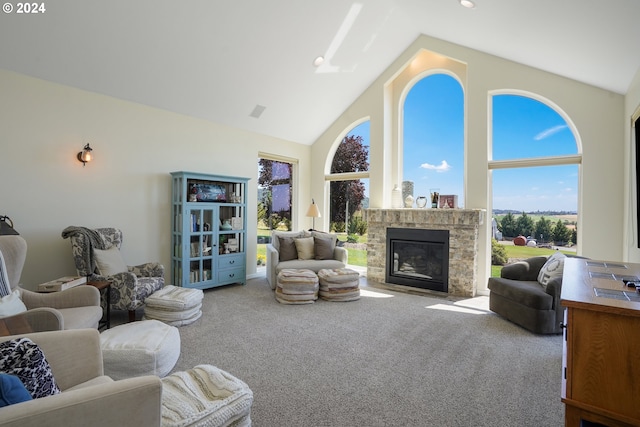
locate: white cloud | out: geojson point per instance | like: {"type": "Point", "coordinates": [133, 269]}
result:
{"type": "Point", "coordinates": [442, 167]}
{"type": "Point", "coordinates": [548, 132]}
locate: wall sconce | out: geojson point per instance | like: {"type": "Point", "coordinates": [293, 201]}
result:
{"type": "Point", "coordinates": [85, 155]}
{"type": "Point", "coordinates": [313, 212]}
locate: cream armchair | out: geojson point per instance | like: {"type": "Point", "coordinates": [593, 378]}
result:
{"type": "Point", "coordinates": [74, 308]}
{"type": "Point", "coordinates": [88, 397]}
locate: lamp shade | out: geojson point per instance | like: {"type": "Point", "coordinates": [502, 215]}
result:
{"type": "Point", "coordinates": [313, 210]}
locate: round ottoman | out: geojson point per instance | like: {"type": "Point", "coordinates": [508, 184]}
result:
{"type": "Point", "coordinates": [174, 305]}
{"type": "Point", "coordinates": [205, 396]}
{"type": "Point", "coordinates": [296, 286]}
{"type": "Point", "coordinates": [148, 347]}
{"type": "Point", "coordinates": [339, 284]}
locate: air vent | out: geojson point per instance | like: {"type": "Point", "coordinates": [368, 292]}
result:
{"type": "Point", "coordinates": [257, 111]}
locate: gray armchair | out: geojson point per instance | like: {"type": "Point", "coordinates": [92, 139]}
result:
{"type": "Point", "coordinates": [74, 308]}
{"type": "Point", "coordinates": [130, 288]}
{"type": "Point", "coordinates": [518, 297]}
{"type": "Point", "coordinates": [88, 397]}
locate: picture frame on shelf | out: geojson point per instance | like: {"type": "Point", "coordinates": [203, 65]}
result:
{"type": "Point", "coordinates": [448, 201]}
{"type": "Point", "coordinates": [232, 245]}
{"type": "Point", "coordinates": [236, 223]}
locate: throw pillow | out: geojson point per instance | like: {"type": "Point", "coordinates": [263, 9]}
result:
{"type": "Point", "coordinates": [109, 261]}
{"type": "Point", "coordinates": [24, 359]}
{"type": "Point", "coordinates": [287, 250]}
{"type": "Point", "coordinates": [11, 304]}
{"type": "Point", "coordinates": [304, 246]}
{"type": "Point", "coordinates": [324, 245]}
{"type": "Point", "coordinates": [5, 288]}
{"type": "Point", "coordinates": [551, 269]}
{"type": "Point", "coordinates": [12, 390]}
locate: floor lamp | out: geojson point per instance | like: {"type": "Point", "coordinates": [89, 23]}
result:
{"type": "Point", "coordinates": [314, 213]}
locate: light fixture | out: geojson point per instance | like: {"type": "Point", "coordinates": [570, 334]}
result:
{"type": "Point", "coordinates": [318, 61]}
{"type": "Point", "coordinates": [314, 213]}
{"type": "Point", "coordinates": [469, 4]}
{"type": "Point", "coordinates": [85, 155]}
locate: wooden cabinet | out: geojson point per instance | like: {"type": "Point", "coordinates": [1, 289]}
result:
{"type": "Point", "coordinates": [601, 365]}
{"type": "Point", "coordinates": [208, 230]}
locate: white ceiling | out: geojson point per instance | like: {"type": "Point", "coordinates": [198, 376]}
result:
{"type": "Point", "coordinates": [217, 60]}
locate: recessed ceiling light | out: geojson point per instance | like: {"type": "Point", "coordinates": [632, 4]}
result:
{"type": "Point", "coordinates": [468, 4]}
{"type": "Point", "coordinates": [318, 61]}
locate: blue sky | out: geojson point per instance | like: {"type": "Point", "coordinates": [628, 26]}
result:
{"type": "Point", "coordinates": [522, 128]}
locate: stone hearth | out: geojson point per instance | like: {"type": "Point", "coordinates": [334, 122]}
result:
{"type": "Point", "coordinates": [463, 226]}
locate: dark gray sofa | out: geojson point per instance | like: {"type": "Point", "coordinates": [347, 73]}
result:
{"type": "Point", "coordinates": [518, 297]}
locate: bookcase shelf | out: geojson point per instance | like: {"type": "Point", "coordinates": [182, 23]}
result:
{"type": "Point", "coordinates": [208, 230]}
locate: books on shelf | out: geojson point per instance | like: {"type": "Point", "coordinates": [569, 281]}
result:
{"type": "Point", "coordinates": [62, 283]}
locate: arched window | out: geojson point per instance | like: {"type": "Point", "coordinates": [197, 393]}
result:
{"type": "Point", "coordinates": [534, 167]}
{"type": "Point", "coordinates": [433, 137]}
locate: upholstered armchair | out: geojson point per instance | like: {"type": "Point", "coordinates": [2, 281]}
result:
{"type": "Point", "coordinates": [74, 308]}
{"type": "Point", "coordinates": [97, 255]}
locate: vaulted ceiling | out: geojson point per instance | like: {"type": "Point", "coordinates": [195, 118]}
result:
{"type": "Point", "coordinates": [217, 60]}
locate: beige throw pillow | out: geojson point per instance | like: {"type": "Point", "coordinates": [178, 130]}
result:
{"type": "Point", "coordinates": [109, 261]}
{"type": "Point", "coordinates": [305, 248]}
{"type": "Point", "coordinates": [551, 269]}
{"type": "Point", "coordinates": [12, 304]}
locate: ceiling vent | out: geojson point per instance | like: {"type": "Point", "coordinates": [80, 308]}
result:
{"type": "Point", "coordinates": [257, 111]}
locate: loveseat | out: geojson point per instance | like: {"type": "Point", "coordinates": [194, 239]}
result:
{"type": "Point", "coordinates": [527, 293]}
{"type": "Point", "coordinates": [311, 250]}
{"type": "Point", "coordinates": [88, 397]}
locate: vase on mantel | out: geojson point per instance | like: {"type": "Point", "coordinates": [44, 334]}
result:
{"type": "Point", "coordinates": [408, 201]}
{"type": "Point", "coordinates": [396, 197]}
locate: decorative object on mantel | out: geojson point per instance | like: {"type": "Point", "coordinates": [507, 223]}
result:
{"type": "Point", "coordinates": [435, 197]}
{"type": "Point", "coordinates": [408, 201]}
{"type": "Point", "coordinates": [396, 198]}
{"type": "Point", "coordinates": [421, 202]}
{"type": "Point", "coordinates": [448, 201]}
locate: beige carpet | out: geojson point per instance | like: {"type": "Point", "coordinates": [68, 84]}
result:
{"type": "Point", "coordinates": [388, 359]}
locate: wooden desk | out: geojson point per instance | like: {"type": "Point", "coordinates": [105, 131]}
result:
{"type": "Point", "coordinates": [601, 357]}
{"type": "Point", "coordinates": [106, 287]}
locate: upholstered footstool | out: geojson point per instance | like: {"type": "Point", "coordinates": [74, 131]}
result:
{"type": "Point", "coordinates": [148, 347]}
{"type": "Point", "coordinates": [175, 306]}
{"type": "Point", "coordinates": [296, 286]}
{"type": "Point", "coordinates": [340, 284]}
{"type": "Point", "coordinates": [205, 396]}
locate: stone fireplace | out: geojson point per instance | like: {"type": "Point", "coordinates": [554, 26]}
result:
{"type": "Point", "coordinates": [462, 226]}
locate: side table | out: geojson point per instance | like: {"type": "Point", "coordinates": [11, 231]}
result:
{"type": "Point", "coordinates": [106, 287]}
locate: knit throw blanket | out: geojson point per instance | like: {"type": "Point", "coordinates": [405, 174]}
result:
{"type": "Point", "coordinates": [93, 240]}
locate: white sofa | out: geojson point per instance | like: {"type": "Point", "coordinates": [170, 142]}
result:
{"type": "Point", "coordinates": [275, 264]}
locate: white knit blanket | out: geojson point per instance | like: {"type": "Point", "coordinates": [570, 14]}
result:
{"type": "Point", "coordinates": [205, 396]}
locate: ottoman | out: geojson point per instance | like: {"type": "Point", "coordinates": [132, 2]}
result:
{"type": "Point", "coordinates": [175, 306]}
{"type": "Point", "coordinates": [340, 284]}
{"type": "Point", "coordinates": [148, 347]}
{"type": "Point", "coordinates": [296, 286]}
{"type": "Point", "coordinates": [205, 396]}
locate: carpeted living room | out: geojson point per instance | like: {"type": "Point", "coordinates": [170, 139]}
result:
{"type": "Point", "coordinates": [133, 135]}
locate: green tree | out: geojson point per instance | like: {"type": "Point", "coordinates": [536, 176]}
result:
{"type": "Point", "coordinates": [351, 156]}
{"type": "Point", "coordinates": [524, 225]}
{"type": "Point", "coordinates": [498, 253]}
{"type": "Point", "coordinates": [271, 174]}
{"type": "Point", "coordinates": [561, 233]}
{"type": "Point", "coordinates": [508, 225]}
{"type": "Point", "coordinates": [543, 230]}
{"type": "Point", "coordinates": [574, 236]}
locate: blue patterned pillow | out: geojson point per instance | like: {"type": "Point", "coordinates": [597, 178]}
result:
{"type": "Point", "coordinates": [24, 359]}
{"type": "Point", "coordinates": [12, 390]}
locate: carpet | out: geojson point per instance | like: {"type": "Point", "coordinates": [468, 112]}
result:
{"type": "Point", "coordinates": [387, 359]}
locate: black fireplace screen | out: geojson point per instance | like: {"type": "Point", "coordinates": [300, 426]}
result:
{"type": "Point", "coordinates": [418, 258]}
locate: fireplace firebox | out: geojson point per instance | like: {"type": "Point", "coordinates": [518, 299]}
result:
{"type": "Point", "coordinates": [418, 258]}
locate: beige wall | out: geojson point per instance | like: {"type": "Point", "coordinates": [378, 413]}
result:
{"type": "Point", "coordinates": [597, 114]}
{"type": "Point", "coordinates": [45, 188]}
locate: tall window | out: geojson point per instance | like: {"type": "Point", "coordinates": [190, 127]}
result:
{"type": "Point", "coordinates": [433, 137]}
{"type": "Point", "coordinates": [275, 182]}
{"type": "Point", "coordinates": [535, 170]}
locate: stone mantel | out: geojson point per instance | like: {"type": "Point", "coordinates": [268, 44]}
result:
{"type": "Point", "coordinates": [463, 226]}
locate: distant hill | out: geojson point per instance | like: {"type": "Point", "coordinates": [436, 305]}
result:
{"type": "Point", "coordinates": [536, 213]}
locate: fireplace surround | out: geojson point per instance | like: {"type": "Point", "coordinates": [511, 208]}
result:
{"type": "Point", "coordinates": [463, 226]}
